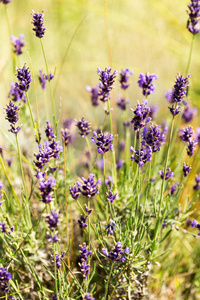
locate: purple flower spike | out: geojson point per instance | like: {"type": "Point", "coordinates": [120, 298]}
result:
{"type": "Point", "coordinates": [186, 169]}
{"type": "Point", "coordinates": [88, 296]}
{"type": "Point", "coordinates": [84, 127]}
{"type": "Point", "coordinates": [143, 156]}
{"type": "Point", "coordinates": [186, 134]}
{"type": "Point", "coordinates": [174, 111]}
{"type": "Point", "coordinates": [49, 131]}
{"type": "Point", "coordinates": [116, 253]}
{"type": "Point", "coordinates": [75, 192]}
{"type": "Point", "coordinates": [24, 78]}
{"type": "Point", "coordinates": [110, 196]}
{"type": "Point", "coordinates": [168, 174]}
{"type": "Point", "coordinates": [141, 117]}
{"type": "Point", "coordinates": [110, 228]}
{"type": "Point", "coordinates": [52, 219]}
{"type": "Point", "coordinates": [103, 141]}
{"type": "Point", "coordinates": [3, 227]}
{"type": "Point", "coordinates": [65, 136]}
{"type": "Point", "coordinates": [5, 1]}
{"type": "Point", "coordinates": [42, 79]}
{"type": "Point", "coordinates": [15, 93]}
{"type": "Point", "coordinates": [189, 113]}
{"type": "Point", "coordinates": [12, 117]}
{"type": "Point", "coordinates": [18, 43]}
{"type": "Point", "coordinates": [5, 277]}
{"type": "Point", "coordinates": [38, 23]}
{"type": "Point", "coordinates": [94, 94]}
{"type": "Point", "coordinates": [124, 76]}
{"type": "Point", "coordinates": [197, 186]}
{"type": "Point", "coordinates": [46, 189]}
{"type": "Point", "coordinates": [106, 82]}
{"type": "Point", "coordinates": [145, 82]}
{"type": "Point", "coordinates": [190, 148]}
{"type": "Point", "coordinates": [154, 137]}
{"type": "Point", "coordinates": [180, 88]}
{"type": "Point", "coordinates": [194, 16]}
{"type": "Point", "coordinates": [82, 222]}
{"type": "Point", "coordinates": [84, 259]}
{"type": "Point", "coordinates": [122, 103]}
{"type": "Point", "coordinates": [88, 187]}
{"type": "Point", "coordinates": [197, 136]}
{"type": "Point", "coordinates": [58, 261]}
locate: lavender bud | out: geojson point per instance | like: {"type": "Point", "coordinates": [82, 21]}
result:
{"type": "Point", "coordinates": [38, 23]}
{"type": "Point", "coordinates": [145, 82]}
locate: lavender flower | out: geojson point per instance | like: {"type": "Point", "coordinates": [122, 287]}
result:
{"type": "Point", "coordinates": [5, 277]}
{"type": "Point", "coordinates": [168, 95]}
{"type": "Point", "coordinates": [84, 259]}
{"type": "Point", "coordinates": [197, 136]}
{"type": "Point", "coordinates": [142, 156]}
{"type": "Point", "coordinates": [186, 134]}
{"type": "Point", "coordinates": [196, 187]}
{"type": "Point", "coordinates": [82, 222]}
{"type": "Point", "coordinates": [56, 149]}
{"type": "Point", "coordinates": [83, 127]}
{"type": "Point", "coordinates": [186, 169]}
{"type": "Point", "coordinates": [110, 228]}
{"type": "Point", "coordinates": [53, 238]}
{"type": "Point", "coordinates": [124, 76]}
{"type": "Point", "coordinates": [180, 88]}
{"type": "Point", "coordinates": [65, 136]}
{"type": "Point", "coordinates": [88, 187]}
{"type": "Point", "coordinates": [189, 113]}
{"type": "Point", "coordinates": [88, 296]}
{"type": "Point", "coordinates": [46, 189]}
{"type": "Point", "coordinates": [12, 117]}
{"type": "Point", "coordinates": [190, 148]}
{"type": "Point", "coordinates": [15, 93]}
{"type": "Point", "coordinates": [103, 141]}
{"type": "Point", "coordinates": [43, 156]}
{"type": "Point", "coordinates": [75, 192]}
{"type": "Point", "coordinates": [145, 82]}
{"type": "Point", "coordinates": [194, 16]}
{"type": "Point", "coordinates": [116, 253]}
{"type": "Point", "coordinates": [153, 137]}
{"type": "Point", "coordinates": [3, 227]}
{"type": "Point", "coordinates": [49, 131]}
{"type": "Point", "coordinates": [110, 196]}
{"type": "Point", "coordinates": [106, 82]}
{"type": "Point", "coordinates": [168, 174]}
{"type": "Point", "coordinates": [141, 117]}
{"type": "Point", "coordinates": [58, 261]}
{"type": "Point", "coordinates": [109, 181]}
{"type": "Point", "coordinates": [18, 43]}
{"type": "Point", "coordinates": [42, 79]}
{"type": "Point", "coordinates": [122, 103]}
{"type": "Point", "coordinates": [173, 189]}
{"type": "Point", "coordinates": [5, 1]}
{"type": "Point", "coordinates": [94, 94]}
{"type": "Point", "coordinates": [52, 220]}
{"type": "Point", "coordinates": [195, 224]}
{"type": "Point", "coordinates": [24, 78]}
{"type": "Point", "coordinates": [119, 164]}
{"type": "Point", "coordinates": [38, 23]}
{"type": "Point", "coordinates": [174, 111]}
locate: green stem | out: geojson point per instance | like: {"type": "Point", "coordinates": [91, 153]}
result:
{"type": "Point", "coordinates": [190, 55]}
{"type": "Point", "coordinates": [30, 110]}
{"type": "Point", "coordinates": [107, 283]}
{"type": "Point", "coordinates": [51, 93]}
{"type": "Point", "coordinates": [55, 270]}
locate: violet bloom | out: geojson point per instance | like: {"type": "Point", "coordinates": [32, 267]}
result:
{"type": "Point", "coordinates": [142, 156]}
{"type": "Point", "coordinates": [145, 82]}
{"type": "Point", "coordinates": [186, 169]}
{"type": "Point", "coordinates": [18, 43]}
{"type": "Point", "coordinates": [154, 137]}
{"type": "Point", "coordinates": [109, 181]}
{"type": "Point", "coordinates": [94, 94]}
{"type": "Point", "coordinates": [117, 254]}
{"type": "Point", "coordinates": [186, 134]}
{"type": "Point", "coordinates": [49, 131]}
{"type": "Point", "coordinates": [173, 189]}
{"type": "Point", "coordinates": [168, 174]}
{"type": "Point", "coordinates": [24, 78]}
{"type": "Point", "coordinates": [119, 164]}
{"type": "Point", "coordinates": [5, 1]}
{"type": "Point", "coordinates": [189, 113]}
{"type": "Point", "coordinates": [84, 127]}
{"type": "Point", "coordinates": [12, 117]}
{"type": "Point", "coordinates": [84, 259]}
{"type": "Point", "coordinates": [106, 82]}
{"type": "Point", "coordinates": [122, 103]}
{"type": "Point", "coordinates": [46, 187]}
{"type": "Point", "coordinates": [82, 222]}
{"type": "Point", "coordinates": [65, 136]}
{"type": "Point", "coordinates": [88, 296]}
{"type": "Point", "coordinates": [196, 187]}
{"type": "Point", "coordinates": [110, 196]}
{"type": "Point", "coordinates": [42, 79]}
{"type": "Point", "coordinates": [3, 227]}
{"type": "Point", "coordinates": [110, 228]}
{"type": "Point", "coordinates": [104, 141]}
{"type": "Point", "coordinates": [141, 117]}
{"type": "Point", "coordinates": [74, 191]}
{"type": "Point", "coordinates": [180, 88]}
{"type": "Point", "coordinates": [174, 111]}
{"type": "Point", "coordinates": [195, 224]}
{"type": "Point", "coordinates": [43, 156]}
{"type": "Point", "coordinates": [194, 16]}
{"type": "Point", "coordinates": [5, 277]}
{"type": "Point", "coordinates": [58, 261]}
{"type": "Point", "coordinates": [88, 187]}
{"type": "Point", "coordinates": [15, 93]}
{"type": "Point", "coordinates": [38, 23]}
{"type": "Point", "coordinates": [52, 220]}
{"type": "Point", "coordinates": [190, 148]}
{"type": "Point", "coordinates": [56, 149]}
{"type": "Point", "coordinates": [124, 76]}
{"type": "Point", "coordinates": [53, 238]}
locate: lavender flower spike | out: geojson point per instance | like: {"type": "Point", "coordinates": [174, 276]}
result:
{"type": "Point", "coordinates": [142, 156]}
{"type": "Point", "coordinates": [145, 82]}
{"type": "Point", "coordinates": [180, 88]}
{"type": "Point", "coordinates": [88, 187]}
{"type": "Point", "coordinates": [24, 78]}
{"type": "Point", "coordinates": [5, 1]}
{"type": "Point", "coordinates": [186, 169]}
{"type": "Point", "coordinates": [141, 117]}
{"type": "Point", "coordinates": [124, 76]}
{"type": "Point", "coordinates": [18, 44]}
{"type": "Point", "coordinates": [168, 174]}
{"type": "Point", "coordinates": [84, 127]}
{"type": "Point", "coordinates": [194, 16]}
{"type": "Point", "coordinates": [88, 296]}
{"type": "Point", "coordinates": [94, 94]}
{"type": "Point", "coordinates": [38, 23]}
{"type": "Point", "coordinates": [103, 141]}
{"type": "Point", "coordinates": [5, 277]}
{"type": "Point", "coordinates": [15, 94]}
{"type": "Point", "coordinates": [52, 219]}
{"type": "Point", "coordinates": [12, 117]}
{"type": "Point", "coordinates": [106, 82]}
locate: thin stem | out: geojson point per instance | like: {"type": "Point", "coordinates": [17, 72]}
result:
{"type": "Point", "coordinates": [66, 204]}
{"type": "Point", "coordinates": [30, 110]}
{"type": "Point", "coordinates": [22, 172]}
{"type": "Point", "coordinates": [55, 270]}
{"type": "Point", "coordinates": [190, 55]}
{"type": "Point", "coordinates": [107, 283]}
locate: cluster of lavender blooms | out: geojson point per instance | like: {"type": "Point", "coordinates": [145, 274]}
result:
{"type": "Point", "coordinates": [194, 17]}
{"type": "Point", "coordinates": [117, 254]}
{"type": "Point", "coordinates": [124, 76]}
{"type": "Point", "coordinates": [141, 115]}
{"type": "Point", "coordinates": [43, 78]}
{"type": "Point", "coordinates": [104, 141]}
{"type": "Point", "coordinates": [57, 260]}
{"type": "Point", "coordinates": [142, 155]}
{"type": "Point", "coordinates": [186, 135]}
{"type": "Point", "coordinates": [82, 221]}
{"type": "Point", "coordinates": [94, 94]}
{"type": "Point", "coordinates": [84, 259]}
{"type": "Point", "coordinates": [18, 43]}
{"type": "Point", "coordinates": [106, 81]}
{"type": "Point", "coordinates": [110, 196]}
{"type": "Point", "coordinates": [196, 187]}
{"type": "Point", "coordinates": [145, 83]}
{"type": "Point", "coordinates": [154, 137]}
{"type": "Point", "coordinates": [110, 228]}
{"type": "Point", "coordinates": [5, 277]}
{"type": "Point", "coordinates": [186, 169]}
{"type": "Point", "coordinates": [195, 224]}
{"type": "Point", "coordinates": [15, 93]}
{"type": "Point", "coordinates": [46, 187]}
{"type": "Point", "coordinates": [168, 174]}
{"type": "Point", "coordinates": [88, 296]}
{"type": "Point", "coordinates": [38, 23]}
{"type": "Point", "coordinates": [12, 117]}
{"type": "Point", "coordinates": [84, 127]}
{"type": "Point", "coordinates": [122, 102]}
{"type": "Point", "coordinates": [89, 187]}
